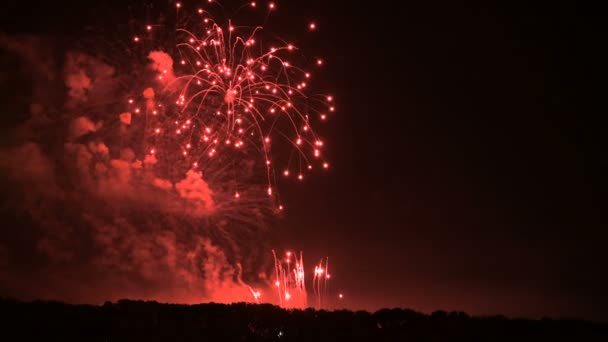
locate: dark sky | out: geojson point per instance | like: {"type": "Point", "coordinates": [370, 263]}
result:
{"type": "Point", "coordinates": [466, 155]}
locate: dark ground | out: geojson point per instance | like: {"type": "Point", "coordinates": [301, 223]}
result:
{"type": "Point", "coordinates": [152, 321]}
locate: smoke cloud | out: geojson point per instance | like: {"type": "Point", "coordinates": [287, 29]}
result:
{"type": "Point", "coordinates": [91, 215]}
{"type": "Point", "coordinates": [162, 63]}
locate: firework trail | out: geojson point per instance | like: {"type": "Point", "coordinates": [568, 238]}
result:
{"type": "Point", "coordinates": [320, 281]}
{"type": "Point", "coordinates": [290, 282]}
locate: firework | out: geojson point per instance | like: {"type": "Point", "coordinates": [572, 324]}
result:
{"type": "Point", "coordinates": [289, 280]}
{"type": "Point", "coordinates": [290, 284]}
{"type": "Point", "coordinates": [224, 94]}
{"type": "Point", "coordinates": [320, 281]}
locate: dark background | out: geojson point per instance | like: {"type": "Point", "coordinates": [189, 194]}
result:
{"type": "Point", "coordinates": [466, 152]}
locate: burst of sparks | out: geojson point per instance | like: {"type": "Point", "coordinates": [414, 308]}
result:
{"type": "Point", "coordinates": [234, 93]}
{"type": "Point", "coordinates": [289, 279]}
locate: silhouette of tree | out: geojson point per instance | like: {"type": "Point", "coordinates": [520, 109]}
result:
{"type": "Point", "coordinates": [129, 320]}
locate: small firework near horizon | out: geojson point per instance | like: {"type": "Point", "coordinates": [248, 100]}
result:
{"type": "Point", "coordinates": [290, 281]}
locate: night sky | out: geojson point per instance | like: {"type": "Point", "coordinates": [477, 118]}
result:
{"type": "Point", "coordinates": [465, 155]}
